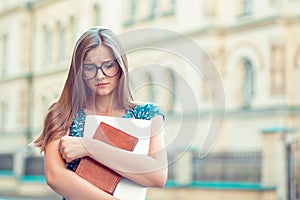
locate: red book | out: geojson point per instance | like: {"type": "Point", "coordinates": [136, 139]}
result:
{"type": "Point", "coordinates": [98, 174]}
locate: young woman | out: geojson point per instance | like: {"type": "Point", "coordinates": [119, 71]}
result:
{"type": "Point", "coordinates": [97, 83]}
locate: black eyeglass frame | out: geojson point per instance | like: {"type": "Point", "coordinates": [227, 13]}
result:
{"type": "Point", "coordinates": [115, 61]}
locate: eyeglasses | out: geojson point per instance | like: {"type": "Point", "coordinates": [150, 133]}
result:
{"type": "Point", "coordinates": [108, 68]}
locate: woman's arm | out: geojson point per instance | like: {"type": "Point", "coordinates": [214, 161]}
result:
{"type": "Point", "coordinates": [147, 170]}
{"type": "Point", "coordinates": [66, 182]}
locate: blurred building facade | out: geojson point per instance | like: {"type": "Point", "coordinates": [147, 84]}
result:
{"type": "Point", "coordinates": [254, 45]}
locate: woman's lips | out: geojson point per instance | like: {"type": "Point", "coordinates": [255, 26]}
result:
{"type": "Point", "coordinates": [101, 84]}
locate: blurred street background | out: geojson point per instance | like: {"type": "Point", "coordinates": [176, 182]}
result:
{"type": "Point", "coordinates": [254, 46]}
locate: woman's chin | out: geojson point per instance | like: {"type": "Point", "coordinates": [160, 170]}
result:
{"type": "Point", "coordinates": [103, 93]}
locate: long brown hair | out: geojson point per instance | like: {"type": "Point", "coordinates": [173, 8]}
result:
{"type": "Point", "coordinates": [75, 92]}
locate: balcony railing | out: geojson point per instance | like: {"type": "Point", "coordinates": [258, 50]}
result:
{"type": "Point", "coordinates": [224, 167]}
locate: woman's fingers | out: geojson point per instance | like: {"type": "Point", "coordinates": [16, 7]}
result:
{"type": "Point", "coordinates": [61, 149]}
{"type": "Point", "coordinates": [71, 148]}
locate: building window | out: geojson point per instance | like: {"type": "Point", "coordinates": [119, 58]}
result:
{"type": "Point", "coordinates": [132, 13]}
{"type": "Point", "coordinates": [23, 105]}
{"type": "Point", "coordinates": [246, 8]}
{"type": "Point", "coordinates": [4, 51]}
{"type": "Point", "coordinates": [277, 71]}
{"type": "Point", "coordinates": [143, 87]}
{"type": "Point", "coordinates": [170, 107]}
{"type": "Point", "coordinates": [62, 42]}
{"type": "Point", "coordinates": [168, 7]}
{"type": "Point", "coordinates": [150, 88]}
{"type": "Point", "coordinates": [47, 46]}
{"type": "Point", "coordinates": [209, 8]}
{"type": "Point", "coordinates": [153, 9]}
{"type": "Point", "coordinates": [160, 8]}
{"type": "Point", "coordinates": [70, 37]}
{"type": "Point", "coordinates": [45, 104]}
{"type": "Point", "coordinates": [73, 29]}
{"type": "Point", "coordinates": [248, 83]}
{"type": "Point", "coordinates": [148, 10]}
{"type": "Point", "coordinates": [97, 14]}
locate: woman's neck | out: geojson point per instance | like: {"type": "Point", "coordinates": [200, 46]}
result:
{"type": "Point", "coordinates": [103, 105]}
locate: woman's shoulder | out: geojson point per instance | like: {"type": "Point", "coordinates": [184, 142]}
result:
{"type": "Point", "coordinates": [146, 110]}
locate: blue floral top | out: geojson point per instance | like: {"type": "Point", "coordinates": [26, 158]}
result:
{"type": "Point", "coordinates": [145, 111]}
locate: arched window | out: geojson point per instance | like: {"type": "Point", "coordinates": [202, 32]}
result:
{"type": "Point", "coordinates": [248, 83]}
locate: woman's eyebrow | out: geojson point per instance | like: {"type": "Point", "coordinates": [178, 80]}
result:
{"type": "Point", "coordinates": [90, 62]}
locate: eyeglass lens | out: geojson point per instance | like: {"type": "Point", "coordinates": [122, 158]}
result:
{"type": "Point", "coordinates": [109, 69]}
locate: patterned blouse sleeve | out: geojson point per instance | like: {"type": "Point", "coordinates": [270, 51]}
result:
{"type": "Point", "coordinates": [155, 110]}
{"type": "Point", "coordinates": [147, 111]}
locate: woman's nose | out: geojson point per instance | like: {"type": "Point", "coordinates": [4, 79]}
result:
{"type": "Point", "coordinates": [100, 74]}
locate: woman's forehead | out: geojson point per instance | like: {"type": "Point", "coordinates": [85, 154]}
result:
{"type": "Point", "coordinates": [99, 54]}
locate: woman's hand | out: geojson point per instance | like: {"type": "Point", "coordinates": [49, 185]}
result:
{"type": "Point", "coordinates": [58, 177]}
{"type": "Point", "coordinates": [71, 148]}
